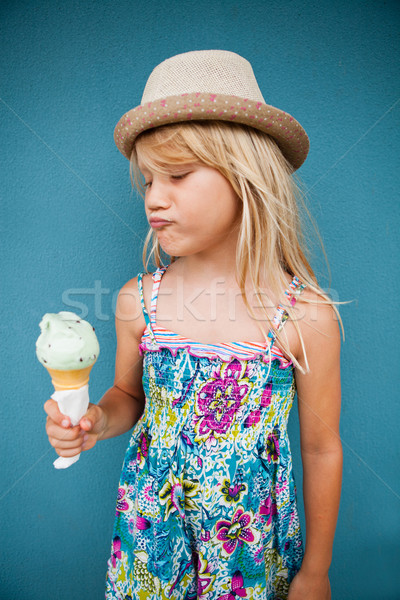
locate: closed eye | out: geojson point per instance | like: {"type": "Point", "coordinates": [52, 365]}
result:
{"type": "Point", "coordinates": [179, 176]}
{"type": "Point", "coordinates": [173, 177]}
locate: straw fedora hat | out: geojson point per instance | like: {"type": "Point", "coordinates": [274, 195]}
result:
{"type": "Point", "coordinates": [209, 85]}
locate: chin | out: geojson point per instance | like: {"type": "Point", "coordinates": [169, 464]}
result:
{"type": "Point", "coordinates": [172, 249]}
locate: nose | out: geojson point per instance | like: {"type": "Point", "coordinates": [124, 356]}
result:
{"type": "Point", "coordinates": [157, 195]}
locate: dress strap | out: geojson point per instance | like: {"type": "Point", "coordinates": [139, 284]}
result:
{"type": "Point", "coordinates": [144, 309]}
{"type": "Point", "coordinates": [140, 288]}
{"type": "Point", "coordinates": [157, 275]}
{"type": "Point", "coordinates": [281, 315]}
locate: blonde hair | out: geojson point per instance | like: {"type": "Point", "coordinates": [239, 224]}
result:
{"type": "Point", "coordinates": [270, 242]}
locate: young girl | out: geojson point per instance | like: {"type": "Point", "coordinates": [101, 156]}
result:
{"type": "Point", "coordinates": [207, 369]}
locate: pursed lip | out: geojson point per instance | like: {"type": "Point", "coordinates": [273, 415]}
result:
{"type": "Point", "coordinates": [155, 223]}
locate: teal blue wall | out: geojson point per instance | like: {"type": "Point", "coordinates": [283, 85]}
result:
{"type": "Point", "coordinates": [69, 222]}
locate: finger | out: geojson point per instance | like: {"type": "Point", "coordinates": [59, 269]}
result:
{"type": "Point", "coordinates": [89, 440]}
{"type": "Point", "coordinates": [68, 453]}
{"type": "Point", "coordinates": [86, 424]}
{"type": "Point", "coordinates": [93, 421]}
{"type": "Point", "coordinates": [52, 410]}
{"type": "Point", "coordinates": [55, 431]}
{"type": "Point", "coordinates": [66, 444]}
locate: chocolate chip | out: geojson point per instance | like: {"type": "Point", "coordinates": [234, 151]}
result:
{"type": "Point", "coordinates": [45, 361]}
{"type": "Point", "coordinates": [81, 359]}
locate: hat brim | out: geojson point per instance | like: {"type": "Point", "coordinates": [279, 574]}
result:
{"type": "Point", "coordinates": [288, 133]}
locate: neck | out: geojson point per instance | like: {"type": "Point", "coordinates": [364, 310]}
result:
{"type": "Point", "coordinates": [212, 262]}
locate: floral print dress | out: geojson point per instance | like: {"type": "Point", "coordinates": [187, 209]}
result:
{"type": "Point", "coordinates": [206, 504]}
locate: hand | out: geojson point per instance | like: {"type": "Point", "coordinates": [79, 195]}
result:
{"type": "Point", "coordinates": [70, 441]}
{"type": "Point", "coordinates": [309, 587]}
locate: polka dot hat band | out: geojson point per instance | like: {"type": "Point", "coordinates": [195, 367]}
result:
{"type": "Point", "coordinates": [209, 85]}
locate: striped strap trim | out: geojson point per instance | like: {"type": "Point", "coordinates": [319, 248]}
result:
{"type": "Point", "coordinates": [281, 315]}
{"type": "Point", "coordinates": [157, 275]}
{"type": "Point", "coordinates": [225, 350]}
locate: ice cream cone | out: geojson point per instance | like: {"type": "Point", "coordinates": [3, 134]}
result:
{"type": "Point", "coordinates": [69, 380]}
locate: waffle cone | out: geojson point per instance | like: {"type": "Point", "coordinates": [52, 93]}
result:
{"type": "Point", "coordinates": [69, 380]}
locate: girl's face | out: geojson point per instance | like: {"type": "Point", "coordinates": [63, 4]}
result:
{"type": "Point", "coordinates": [192, 207]}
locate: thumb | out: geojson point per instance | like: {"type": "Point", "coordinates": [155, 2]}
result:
{"type": "Point", "coordinates": [93, 420]}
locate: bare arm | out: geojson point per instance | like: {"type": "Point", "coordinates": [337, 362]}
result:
{"type": "Point", "coordinates": [123, 404]}
{"type": "Point", "coordinates": [319, 410]}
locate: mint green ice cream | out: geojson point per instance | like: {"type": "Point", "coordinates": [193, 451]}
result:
{"type": "Point", "coordinates": [66, 342]}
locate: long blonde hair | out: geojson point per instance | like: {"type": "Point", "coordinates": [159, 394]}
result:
{"type": "Point", "coordinates": [270, 242]}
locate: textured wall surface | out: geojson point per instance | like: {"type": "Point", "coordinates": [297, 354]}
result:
{"type": "Point", "coordinates": [72, 235]}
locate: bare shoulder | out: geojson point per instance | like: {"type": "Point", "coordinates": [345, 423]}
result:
{"type": "Point", "coordinates": [318, 323]}
{"type": "Point", "coordinates": [129, 313]}
{"type": "Point", "coordinates": [316, 315]}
